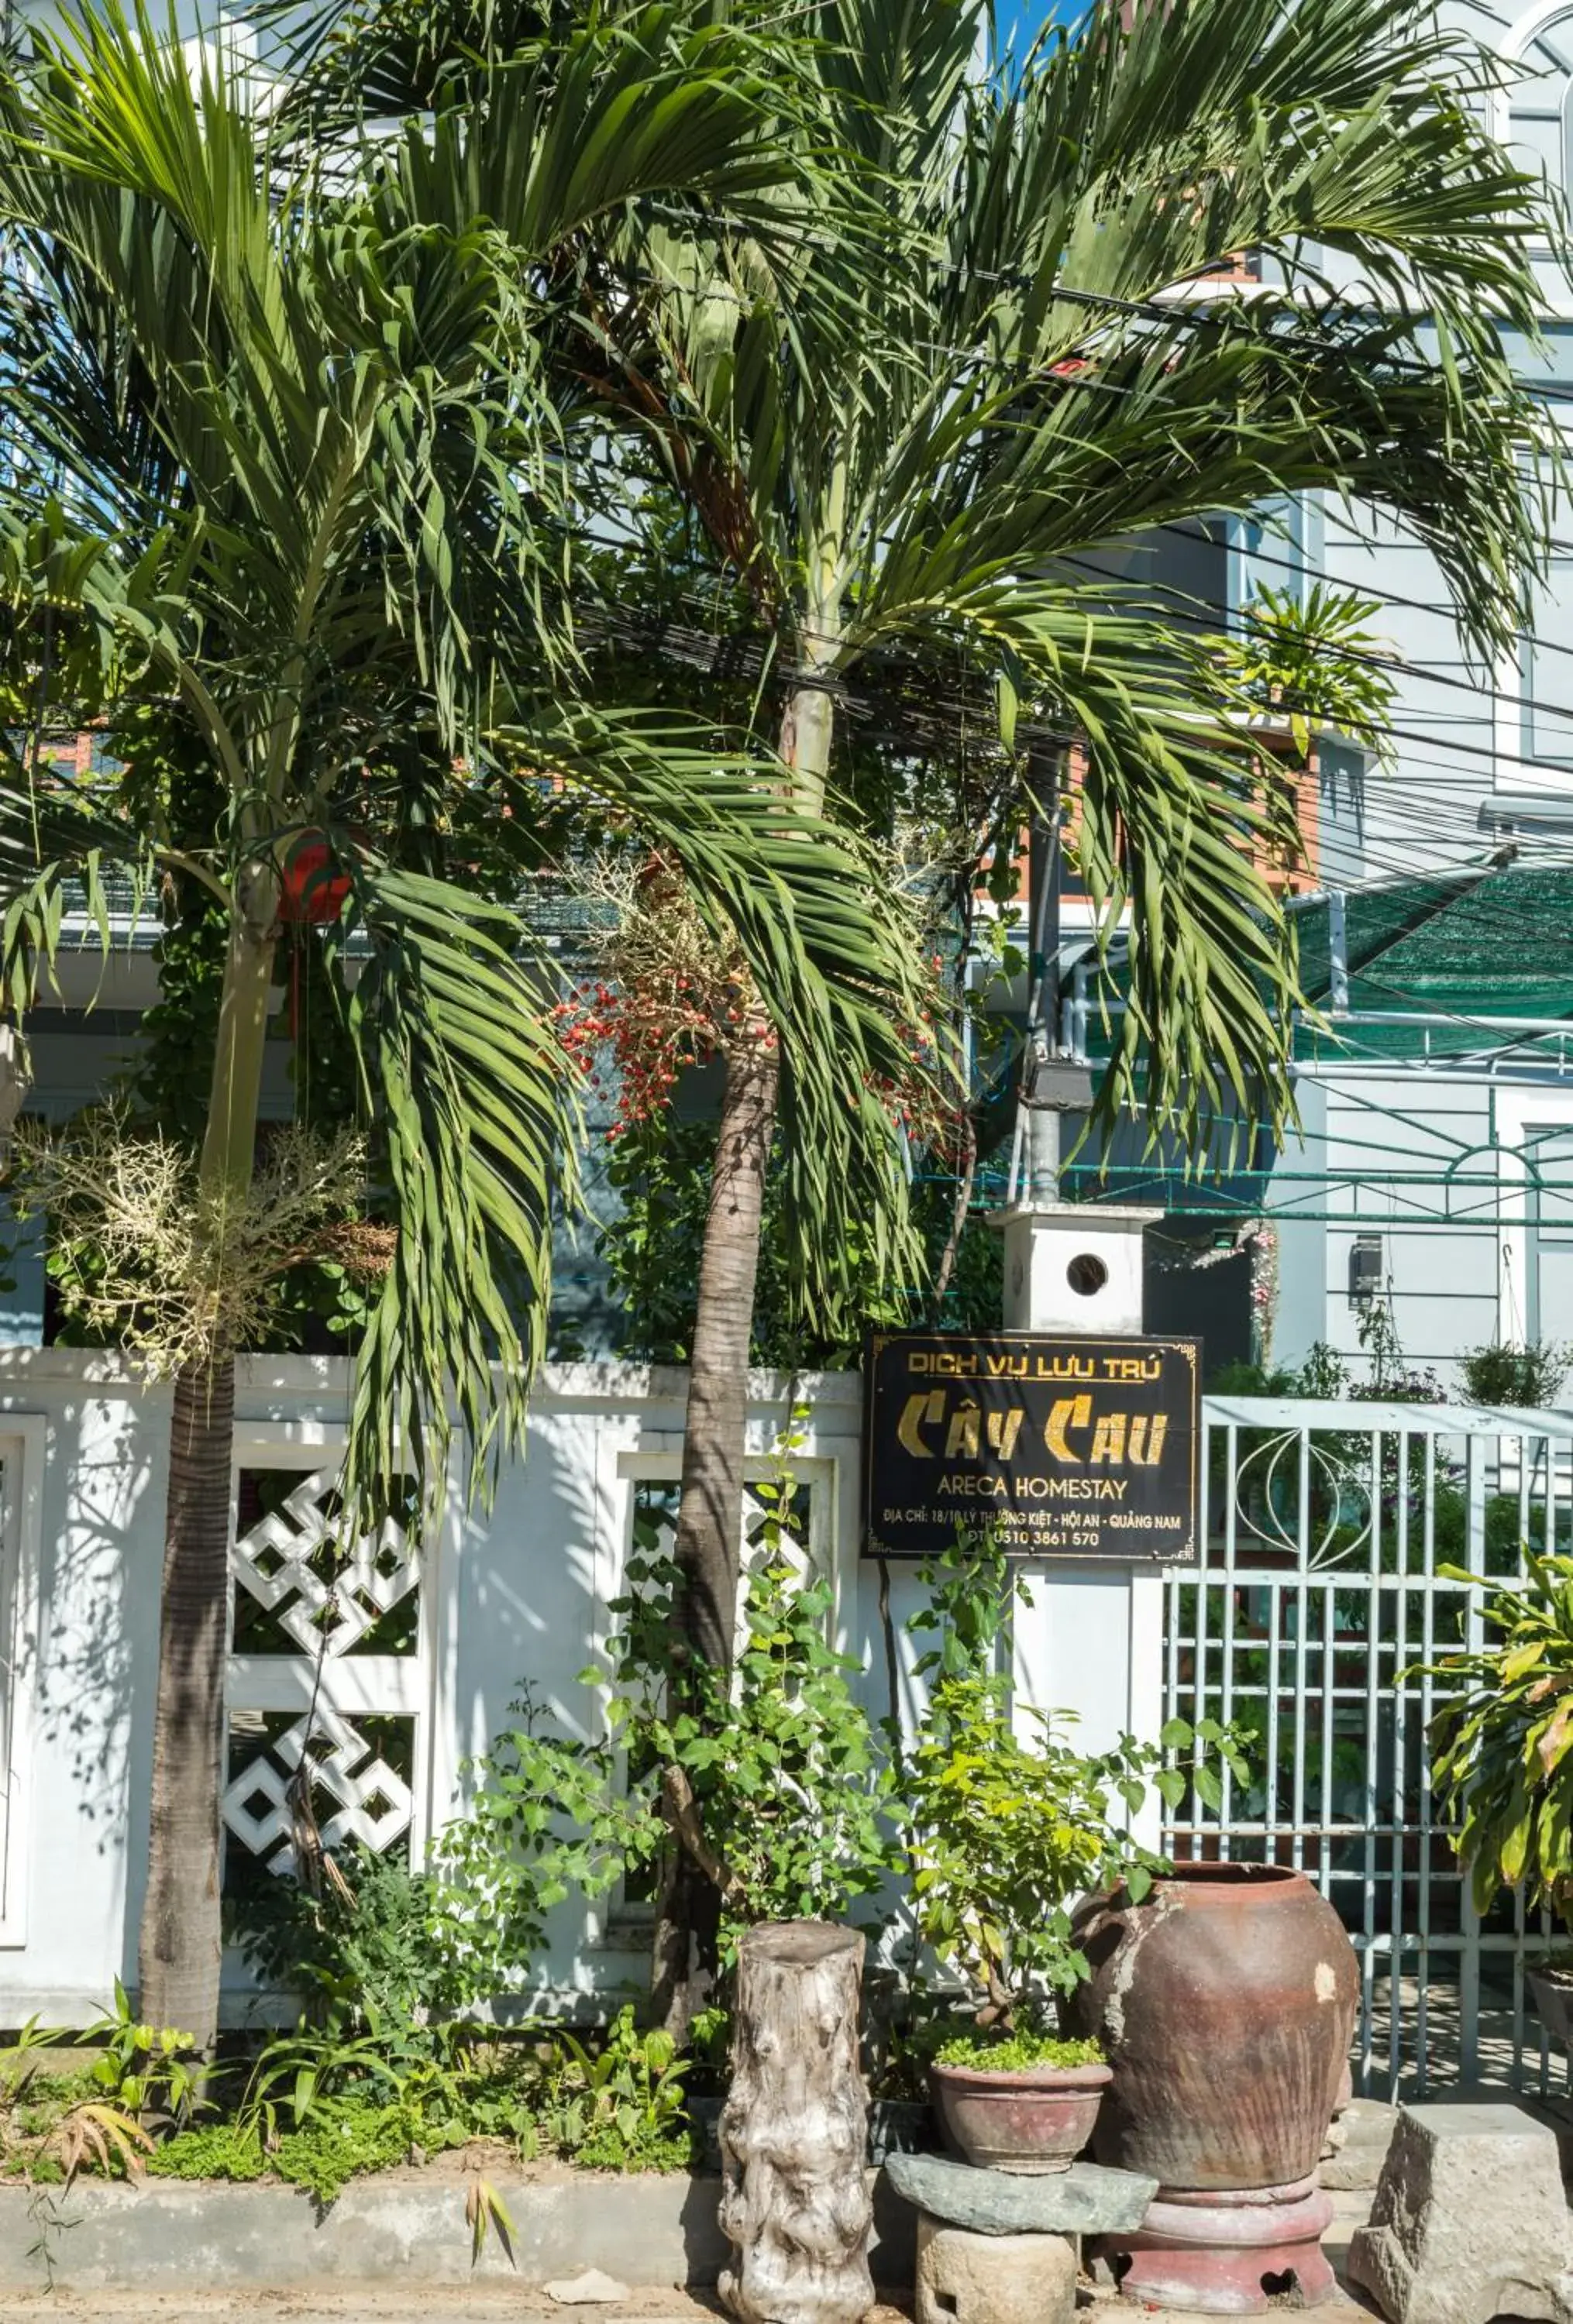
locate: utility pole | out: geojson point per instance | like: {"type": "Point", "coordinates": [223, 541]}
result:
{"type": "Point", "coordinates": [1069, 1266]}
{"type": "Point", "coordinates": [1054, 1083]}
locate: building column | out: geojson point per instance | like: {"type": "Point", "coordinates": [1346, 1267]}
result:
{"type": "Point", "coordinates": [1091, 1642]}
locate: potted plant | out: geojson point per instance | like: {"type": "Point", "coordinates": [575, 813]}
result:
{"type": "Point", "coordinates": [1305, 681]}
{"type": "Point", "coordinates": [1501, 1763]}
{"type": "Point", "coordinates": [1004, 1834]}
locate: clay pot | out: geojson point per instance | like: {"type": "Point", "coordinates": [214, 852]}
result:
{"type": "Point", "coordinates": [1034, 2121]}
{"type": "Point", "coordinates": [1225, 2003]}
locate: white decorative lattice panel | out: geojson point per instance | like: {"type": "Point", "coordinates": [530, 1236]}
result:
{"type": "Point", "coordinates": [374, 1803]}
{"type": "Point", "coordinates": [279, 1561]}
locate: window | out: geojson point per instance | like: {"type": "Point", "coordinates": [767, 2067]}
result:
{"type": "Point", "coordinates": [1540, 116]}
{"type": "Point", "coordinates": [1547, 676]}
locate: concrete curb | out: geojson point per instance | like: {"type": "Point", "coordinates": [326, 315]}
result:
{"type": "Point", "coordinates": [648, 2231]}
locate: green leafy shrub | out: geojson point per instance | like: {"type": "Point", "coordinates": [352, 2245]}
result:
{"type": "Point", "coordinates": [1015, 2053]}
{"type": "Point", "coordinates": [211, 2150]}
{"type": "Point", "coordinates": [345, 2140]}
{"type": "Point", "coordinates": [785, 1766]}
{"type": "Point", "coordinates": [321, 2111]}
{"type": "Point", "coordinates": [549, 1818]}
{"type": "Point", "coordinates": [1004, 1835]}
{"type": "Point", "coordinates": [382, 1948]}
{"type": "Point", "coordinates": [404, 1949]}
{"type": "Point", "coordinates": [620, 2107]}
{"type": "Point", "coordinates": [1500, 1746]}
{"type": "Point", "coordinates": [141, 2069]}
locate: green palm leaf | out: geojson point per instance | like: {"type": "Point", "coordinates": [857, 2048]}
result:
{"type": "Point", "coordinates": [837, 974]}
{"type": "Point", "coordinates": [472, 1103]}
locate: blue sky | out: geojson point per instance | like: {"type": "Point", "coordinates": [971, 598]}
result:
{"type": "Point", "coordinates": [1019, 20]}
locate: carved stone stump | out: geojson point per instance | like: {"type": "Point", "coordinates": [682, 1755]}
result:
{"type": "Point", "coordinates": [794, 2131]}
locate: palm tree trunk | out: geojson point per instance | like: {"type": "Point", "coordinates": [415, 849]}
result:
{"type": "Point", "coordinates": [180, 1938]}
{"type": "Point", "coordinates": [708, 1546]}
{"type": "Point", "coordinates": [710, 1528]}
{"type": "Point", "coordinates": [709, 1533]}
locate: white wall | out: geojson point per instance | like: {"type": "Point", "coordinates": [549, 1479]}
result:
{"type": "Point", "coordinates": [93, 1482]}
{"type": "Point", "coordinates": [1429, 1161]}
{"type": "Point", "coordinates": [521, 1594]}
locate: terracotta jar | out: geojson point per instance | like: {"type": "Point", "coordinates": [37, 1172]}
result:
{"type": "Point", "coordinates": [1225, 2002]}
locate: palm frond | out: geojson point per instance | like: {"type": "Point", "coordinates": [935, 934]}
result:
{"type": "Point", "coordinates": [1074, 396]}
{"type": "Point", "coordinates": [57, 849]}
{"type": "Point", "coordinates": [832, 958]}
{"type": "Point", "coordinates": [473, 1110]}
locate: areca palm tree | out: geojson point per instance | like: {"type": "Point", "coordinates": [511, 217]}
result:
{"type": "Point", "coordinates": [947, 453]}
{"type": "Point", "coordinates": [284, 449]}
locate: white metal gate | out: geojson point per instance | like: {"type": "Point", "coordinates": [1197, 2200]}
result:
{"type": "Point", "coordinates": [1318, 1593]}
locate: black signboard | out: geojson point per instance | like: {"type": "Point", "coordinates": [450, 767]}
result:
{"type": "Point", "coordinates": [1075, 1448]}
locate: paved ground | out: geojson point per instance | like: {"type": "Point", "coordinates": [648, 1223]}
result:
{"type": "Point", "coordinates": [375, 2304]}
{"type": "Point", "coordinates": [1349, 2211]}
{"type": "Point", "coordinates": [1505, 2044]}
{"type": "Point", "coordinates": [482, 2304]}
{"type": "Point", "coordinates": [378, 2304]}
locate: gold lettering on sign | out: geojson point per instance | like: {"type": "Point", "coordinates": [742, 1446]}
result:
{"type": "Point", "coordinates": [1108, 1443]}
{"type": "Point", "coordinates": [1004, 1428]}
{"type": "Point", "coordinates": [1147, 1455]}
{"type": "Point", "coordinates": [929, 1406]}
{"type": "Point", "coordinates": [1066, 1412]}
{"type": "Point", "coordinates": [963, 1437]}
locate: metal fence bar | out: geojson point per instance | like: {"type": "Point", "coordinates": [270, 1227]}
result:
{"type": "Point", "coordinates": [1274, 1602]}
{"type": "Point", "coordinates": [1301, 1644]}
{"type": "Point", "coordinates": [1470, 1920]}
{"type": "Point", "coordinates": [1200, 1593]}
{"type": "Point", "coordinates": [1541, 1937]}
{"type": "Point", "coordinates": [1226, 1703]}
{"type": "Point", "coordinates": [1368, 1882]}
{"type": "Point", "coordinates": [1428, 1649]}
{"type": "Point", "coordinates": [1398, 1844]}
{"type": "Point", "coordinates": [1329, 1667]}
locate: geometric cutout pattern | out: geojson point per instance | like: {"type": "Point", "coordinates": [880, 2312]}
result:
{"type": "Point", "coordinates": [374, 1804]}
{"type": "Point", "coordinates": [273, 1562]}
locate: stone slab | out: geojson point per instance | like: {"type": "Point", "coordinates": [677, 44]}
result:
{"type": "Point", "coordinates": [991, 2279]}
{"type": "Point", "coordinates": [1085, 2201]}
{"type": "Point", "coordinates": [1469, 2221]}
